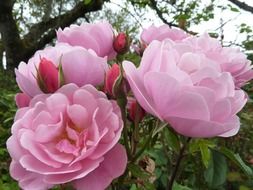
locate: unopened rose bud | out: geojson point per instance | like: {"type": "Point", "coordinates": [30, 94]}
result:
{"type": "Point", "coordinates": [121, 43]}
{"type": "Point", "coordinates": [110, 79]}
{"type": "Point", "coordinates": [22, 100]}
{"type": "Point", "coordinates": [47, 77]}
{"type": "Point", "coordinates": [135, 110]}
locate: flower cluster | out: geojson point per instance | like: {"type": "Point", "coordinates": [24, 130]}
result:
{"type": "Point", "coordinates": [66, 130]}
{"type": "Point", "coordinates": [73, 105]}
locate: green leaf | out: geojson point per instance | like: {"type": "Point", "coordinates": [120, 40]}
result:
{"type": "Point", "coordinates": [177, 186]}
{"type": "Point", "coordinates": [234, 9]}
{"type": "Point", "coordinates": [86, 2]}
{"type": "Point", "coordinates": [237, 160]}
{"type": "Point", "coordinates": [234, 176]}
{"type": "Point", "coordinates": [149, 186]}
{"type": "Point", "coordinates": [205, 153]}
{"type": "Point", "coordinates": [61, 75]}
{"type": "Point", "coordinates": [203, 146]}
{"type": "Point", "coordinates": [133, 187]}
{"type": "Point", "coordinates": [242, 187]}
{"type": "Point", "coordinates": [137, 171]}
{"type": "Point", "coordinates": [172, 139]}
{"type": "Point", "coordinates": [216, 173]}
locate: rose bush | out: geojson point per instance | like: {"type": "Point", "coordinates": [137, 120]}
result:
{"type": "Point", "coordinates": [186, 89]}
{"type": "Point", "coordinates": [66, 132]}
{"type": "Point", "coordinates": [69, 136]}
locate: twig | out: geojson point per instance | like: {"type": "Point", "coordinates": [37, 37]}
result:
{"type": "Point", "coordinates": [179, 159]}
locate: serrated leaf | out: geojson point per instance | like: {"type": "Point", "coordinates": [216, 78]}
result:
{"type": "Point", "coordinates": [216, 173]}
{"type": "Point", "coordinates": [237, 160]}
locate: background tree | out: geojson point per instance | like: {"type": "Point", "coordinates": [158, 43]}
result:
{"type": "Point", "coordinates": [27, 26]}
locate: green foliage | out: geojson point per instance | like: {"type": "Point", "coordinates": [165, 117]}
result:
{"type": "Point", "coordinates": [237, 160]}
{"type": "Point", "coordinates": [8, 89]}
{"type": "Point", "coordinates": [216, 173]}
{"type": "Point", "coordinates": [86, 2]}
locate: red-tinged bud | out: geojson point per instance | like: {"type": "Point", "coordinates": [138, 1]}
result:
{"type": "Point", "coordinates": [136, 112]}
{"type": "Point", "coordinates": [47, 77]}
{"type": "Point", "coordinates": [111, 77]}
{"type": "Point", "coordinates": [121, 43]}
{"type": "Point", "coordinates": [22, 100]}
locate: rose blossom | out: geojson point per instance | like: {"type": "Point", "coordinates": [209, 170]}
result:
{"type": "Point", "coordinates": [69, 136]}
{"type": "Point", "coordinates": [161, 33]}
{"type": "Point", "coordinates": [98, 37]}
{"type": "Point", "coordinates": [231, 59]}
{"type": "Point", "coordinates": [79, 66]}
{"type": "Point", "coordinates": [186, 89]}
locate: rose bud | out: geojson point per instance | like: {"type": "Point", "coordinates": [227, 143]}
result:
{"type": "Point", "coordinates": [121, 43]}
{"type": "Point", "coordinates": [136, 112]}
{"type": "Point", "coordinates": [110, 79]}
{"type": "Point", "coordinates": [47, 77]}
{"type": "Point", "coordinates": [22, 100]}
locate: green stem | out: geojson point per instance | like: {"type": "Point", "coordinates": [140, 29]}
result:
{"type": "Point", "coordinates": [135, 135]}
{"type": "Point", "coordinates": [179, 159]}
{"type": "Point", "coordinates": [125, 136]}
{"type": "Point", "coordinates": [122, 104]}
{"type": "Point", "coordinates": [140, 152]}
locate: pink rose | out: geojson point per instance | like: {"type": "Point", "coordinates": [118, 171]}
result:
{"type": "Point", "coordinates": [238, 65]}
{"type": "Point", "coordinates": [186, 89]}
{"type": "Point", "coordinates": [70, 136]}
{"type": "Point", "coordinates": [231, 60]}
{"type": "Point", "coordinates": [98, 37]}
{"type": "Point", "coordinates": [79, 66]}
{"type": "Point", "coordinates": [161, 33]}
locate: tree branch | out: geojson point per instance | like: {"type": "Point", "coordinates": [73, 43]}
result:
{"type": "Point", "coordinates": [242, 5]}
{"type": "Point", "coordinates": [160, 14]}
{"type": "Point", "coordinates": [42, 33]}
{"type": "Point", "coordinates": [48, 10]}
